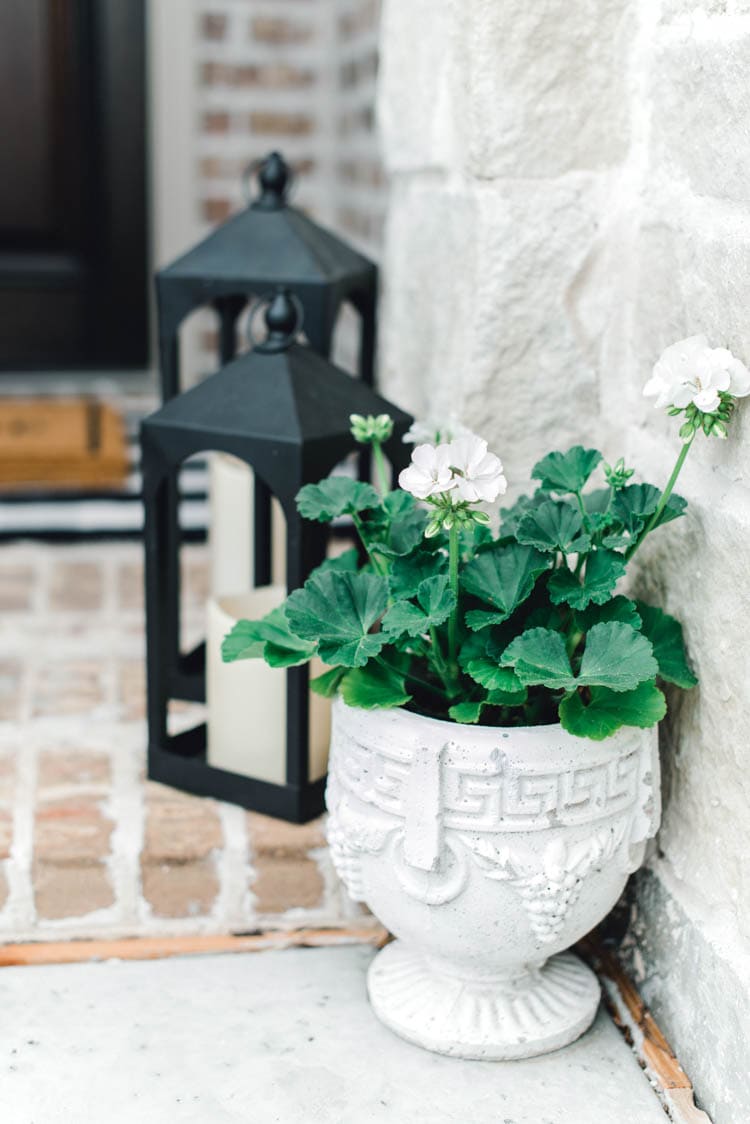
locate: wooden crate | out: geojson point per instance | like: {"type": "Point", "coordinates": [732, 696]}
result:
{"type": "Point", "coordinates": [61, 443]}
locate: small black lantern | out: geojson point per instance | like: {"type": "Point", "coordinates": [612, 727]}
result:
{"type": "Point", "coordinates": [284, 410]}
{"type": "Point", "coordinates": [267, 245]}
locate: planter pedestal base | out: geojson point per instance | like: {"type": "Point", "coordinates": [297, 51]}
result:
{"type": "Point", "coordinates": [492, 1018]}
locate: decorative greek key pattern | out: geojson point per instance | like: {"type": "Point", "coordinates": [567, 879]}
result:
{"type": "Point", "coordinates": [505, 798]}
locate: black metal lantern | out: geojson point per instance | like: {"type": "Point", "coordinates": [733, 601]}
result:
{"type": "Point", "coordinates": [269, 244]}
{"type": "Point", "coordinates": [284, 410]}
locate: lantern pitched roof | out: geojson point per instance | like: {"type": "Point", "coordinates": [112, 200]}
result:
{"type": "Point", "coordinates": [292, 396]}
{"type": "Point", "coordinates": [270, 243]}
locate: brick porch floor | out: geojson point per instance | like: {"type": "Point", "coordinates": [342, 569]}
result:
{"type": "Point", "coordinates": [88, 847]}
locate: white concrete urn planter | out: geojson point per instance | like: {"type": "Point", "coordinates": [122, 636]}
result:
{"type": "Point", "coordinates": [487, 852]}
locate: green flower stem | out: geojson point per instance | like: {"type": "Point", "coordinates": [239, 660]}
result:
{"type": "Point", "coordinates": [441, 667]}
{"type": "Point", "coordinates": [408, 675]}
{"type": "Point", "coordinates": [381, 469]}
{"type": "Point", "coordinates": [664, 499]}
{"type": "Point", "coordinates": [582, 509]}
{"type": "Point", "coordinates": [454, 547]}
{"type": "Point", "coordinates": [376, 562]}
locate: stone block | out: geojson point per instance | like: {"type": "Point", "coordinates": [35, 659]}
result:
{"type": "Point", "coordinates": [701, 104]}
{"type": "Point", "coordinates": [696, 568]}
{"type": "Point", "coordinates": [70, 891]}
{"type": "Point", "coordinates": [692, 276]}
{"type": "Point", "coordinates": [480, 318]}
{"type": "Point", "coordinates": [185, 889]}
{"type": "Point", "coordinates": [546, 86]}
{"type": "Point", "coordinates": [419, 95]}
{"type": "Point", "coordinates": [689, 973]}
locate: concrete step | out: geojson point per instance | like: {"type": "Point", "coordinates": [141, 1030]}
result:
{"type": "Point", "coordinates": [282, 1037]}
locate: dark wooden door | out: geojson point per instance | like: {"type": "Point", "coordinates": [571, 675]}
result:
{"type": "Point", "coordinates": [73, 267]}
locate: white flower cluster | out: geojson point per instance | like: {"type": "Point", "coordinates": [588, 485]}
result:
{"type": "Point", "coordinates": [462, 471]}
{"type": "Point", "coordinates": [691, 371]}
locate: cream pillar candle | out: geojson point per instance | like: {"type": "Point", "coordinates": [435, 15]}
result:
{"type": "Point", "coordinates": [247, 700]}
{"type": "Point", "coordinates": [231, 528]}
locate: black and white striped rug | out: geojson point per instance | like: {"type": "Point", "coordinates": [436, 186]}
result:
{"type": "Point", "coordinates": [69, 515]}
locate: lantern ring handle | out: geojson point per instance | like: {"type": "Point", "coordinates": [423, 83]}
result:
{"type": "Point", "coordinates": [274, 341]}
{"type": "Point", "coordinates": [253, 168]}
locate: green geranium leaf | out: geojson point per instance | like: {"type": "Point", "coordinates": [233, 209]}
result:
{"type": "Point", "coordinates": [399, 503]}
{"type": "Point", "coordinates": [338, 610]}
{"type": "Point", "coordinates": [603, 570]}
{"type": "Point", "coordinates": [607, 710]}
{"type": "Point", "coordinates": [566, 472]}
{"type": "Point", "coordinates": [467, 712]}
{"type": "Point", "coordinates": [477, 619]}
{"type": "Point", "coordinates": [633, 504]}
{"type": "Point", "coordinates": [616, 609]}
{"type": "Point", "coordinates": [404, 534]}
{"type": "Point", "coordinates": [665, 634]}
{"type": "Point", "coordinates": [474, 647]}
{"type": "Point", "coordinates": [270, 638]}
{"type": "Point", "coordinates": [327, 684]}
{"type": "Point", "coordinates": [554, 525]}
{"type": "Point", "coordinates": [617, 542]}
{"type": "Point", "coordinates": [511, 516]}
{"type": "Point", "coordinates": [338, 495]}
{"type": "Point", "coordinates": [488, 674]}
{"type": "Point", "coordinates": [435, 603]}
{"type": "Point", "coordinates": [673, 509]}
{"type": "Point", "coordinates": [504, 578]}
{"type": "Point", "coordinates": [374, 687]}
{"type": "Point", "coordinates": [499, 681]}
{"type": "Point", "coordinates": [408, 572]}
{"type": "Point", "coordinates": [244, 642]}
{"type": "Point", "coordinates": [539, 657]}
{"type": "Point", "coordinates": [616, 656]}
{"type": "Point", "coordinates": [347, 560]}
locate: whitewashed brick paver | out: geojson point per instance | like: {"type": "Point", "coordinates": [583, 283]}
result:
{"type": "Point", "coordinates": [88, 847]}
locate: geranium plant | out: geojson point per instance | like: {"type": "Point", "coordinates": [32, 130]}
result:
{"type": "Point", "coordinates": [526, 626]}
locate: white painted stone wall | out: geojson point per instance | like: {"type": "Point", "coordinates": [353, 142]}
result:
{"type": "Point", "coordinates": [570, 193]}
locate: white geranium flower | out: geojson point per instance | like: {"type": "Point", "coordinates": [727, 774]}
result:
{"type": "Point", "coordinates": [429, 472]}
{"type": "Point", "coordinates": [691, 371]}
{"type": "Point", "coordinates": [435, 432]}
{"type": "Point", "coordinates": [479, 474]}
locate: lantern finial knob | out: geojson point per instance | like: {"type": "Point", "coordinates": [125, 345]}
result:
{"type": "Point", "coordinates": [274, 177]}
{"type": "Point", "coordinates": [283, 317]}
